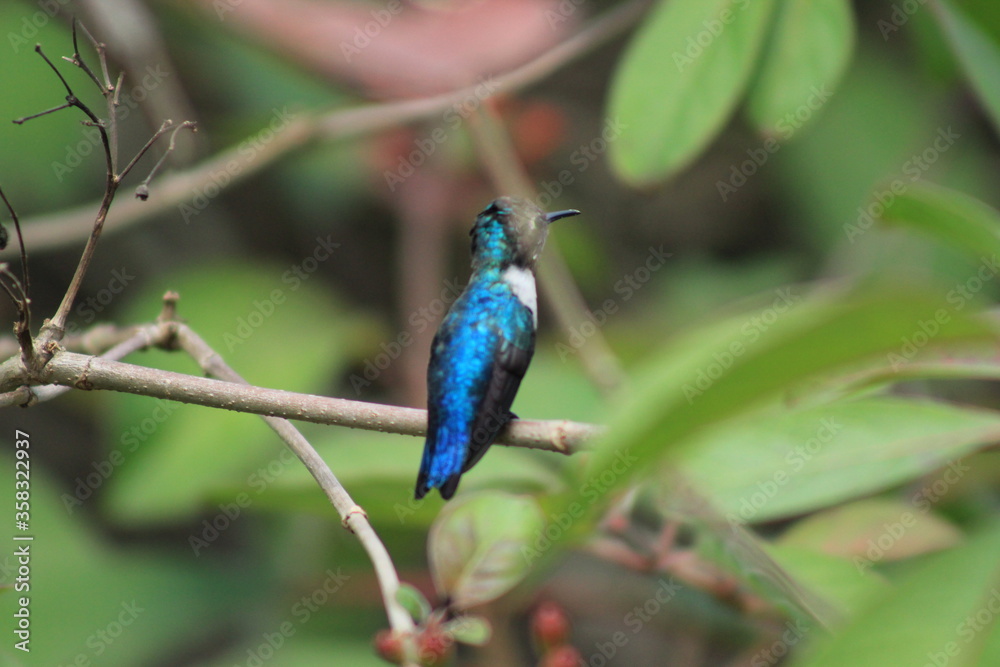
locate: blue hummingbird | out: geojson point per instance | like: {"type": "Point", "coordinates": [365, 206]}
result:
{"type": "Point", "coordinates": [485, 343]}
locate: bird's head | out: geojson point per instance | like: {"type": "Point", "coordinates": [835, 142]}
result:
{"type": "Point", "coordinates": [512, 230]}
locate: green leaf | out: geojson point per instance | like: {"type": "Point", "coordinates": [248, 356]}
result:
{"type": "Point", "coordinates": [951, 217]}
{"type": "Point", "coordinates": [738, 550]}
{"type": "Point", "coordinates": [779, 464]}
{"type": "Point", "coordinates": [680, 80]}
{"type": "Point", "coordinates": [804, 57]}
{"type": "Point", "coordinates": [890, 528]}
{"type": "Point", "coordinates": [836, 579]}
{"type": "Point", "coordinates": [719, 372]}
{"type": "Point", "coordinates": [941, 613]}
{"type": "Point", "coordinates": [470, 629]}
{"type": "Point", "coordinates": [973, 363]}
{"type": "Point", "coordinates": [476, 543]}
{"type": "Point", "coordinates": [976, 53]}
{"type": "Point", "coordinates": [413, 601]}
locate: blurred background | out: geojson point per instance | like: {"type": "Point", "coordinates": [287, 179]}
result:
{"type": "Point", "coordinates": [325, 234]}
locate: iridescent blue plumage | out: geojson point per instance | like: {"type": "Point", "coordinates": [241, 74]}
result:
{"type": "Point", "coordinates": [484, 344]}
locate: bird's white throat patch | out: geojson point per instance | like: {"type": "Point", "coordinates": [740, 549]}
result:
{"type": "Point", "coordinates": [522, 283]}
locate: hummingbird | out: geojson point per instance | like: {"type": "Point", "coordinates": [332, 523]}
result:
{"type": "Point", "coordinates": [483, 347]}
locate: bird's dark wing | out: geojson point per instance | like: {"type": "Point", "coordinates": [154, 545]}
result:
{"type": "Point", "coordinates": [512, 359]}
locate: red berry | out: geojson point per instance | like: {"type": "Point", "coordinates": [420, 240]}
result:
{"type": "Point", "coordinates": [564, 656]}
{"type": "Point", "coordinates": [434, 646]}
{"type": "Point", "coordinates": [550, 625]}
{"type": "Point", "coordinates": [389, 646]}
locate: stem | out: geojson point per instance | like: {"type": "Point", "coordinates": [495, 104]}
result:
{"type": "Point", "coordinates": [353, 517]}
{"type": "Point", "coordinates": [58, 230]}
{"type": "Point", "coordinates": [87, 372]}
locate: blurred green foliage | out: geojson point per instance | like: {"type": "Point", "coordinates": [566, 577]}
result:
{"type": "Point", "coordinates": [808, 370]}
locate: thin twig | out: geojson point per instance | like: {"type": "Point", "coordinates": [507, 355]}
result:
{"type": "Point", "coordinates": [136, 338]}
{"type": "Point", "coordinates": [351, 514]}
{"type": "Point", "coordinates": [14, 288]}
{"type": "Point", "coordinates": [166, 125]}
{"type": "Point", "coordinates": [25, 280]}
{"type": "Point", "coordinates": [142, 190]}
{"type": "Point", "coordinates": [23, 119]}
{"type": "Point", "coordinates": [77, 59]}
{"type": "Point", "coordinates": [55, 328]}
{"type": "Point", "coordinates": [96, 340]}
{"type": "Point", "coordinates": [19, 296]}
{"type": "Point", "coordinates": [69, 91]}
{"type": "Point", "coordinates": [60, 229]}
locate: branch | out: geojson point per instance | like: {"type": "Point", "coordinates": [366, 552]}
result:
{"type": "Point", "coordinates": [95, 340]}
{"type": "Point", "coordinates": [91, 373]}
{"type": "Point", "coordinates": [60, 229]}
{"type": "Point", "coordinates": [118, 344]}
{"type": "Point", "coordinates": [54, 328]}
{"type": "Point", "coordinates": [352, 515]}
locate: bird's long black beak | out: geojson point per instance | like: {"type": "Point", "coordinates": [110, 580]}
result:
{"type": "Point", "coordinates": [556, 215]}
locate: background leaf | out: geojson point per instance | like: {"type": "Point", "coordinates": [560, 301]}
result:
{"type": "Point", "coordinates": [951, 217]}
{"type": "Point", "coordinates": [722, 371]}
{"type": "Point", "coordinates": [679, 81]}
{"type": "Point", "coordinates": [806, 53]}
{"type": "Point", "coordinates": [977, 53]}
{"type": "Point", "coordinates": [855, 529]}
{"type": "Point", "coordinates": [926, 617]}
{"type": "Point", "coordinates": [782, 463]}
{"type": "Point", "coordinates": [475, 545]}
